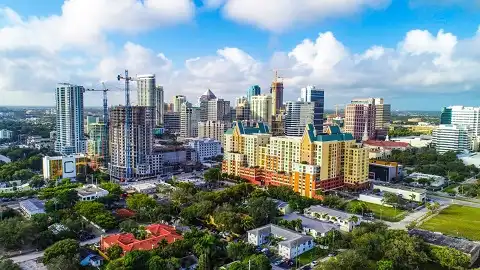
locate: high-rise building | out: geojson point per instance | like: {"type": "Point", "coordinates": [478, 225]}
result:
{"type": "Point", "coordinates": [308, 164]}
{"type": "Point", "coordinates": [213, 108]}
{"type": "Point", "coordinates": [317, 96]}
{"type": "Point", "coordinates": [172, 122]}
{"type": "Point", "coordinates": [141, 141]}
{"type": "Point", "coordinates": [241, 100]}
{"type": "Point", "coordinates": [277, 96]}
{"type": "Point", "coordinates": [298, 115]}
{"type": "Point", "coordinates": [178, 100]}
{"type": "Point", "coordinates": [91, 120]}
{"type": "Point", "coordinates": [69, 125]}
{"type": "Point", "coordinates": [261, 109]}
{"type": "Point", "coordinates": [159, 108]}
{"type": "Point", "coordinates": [253, 91]}
{"type": "Point", "coordinates": [189, 118]}
{"type": "Point", "coordinates": [383, 116]}
{"type": "Point", "coordinates": [278, 125]}
{"type": "Point", "coordinates": [151, 95]}
{"type": "Point", "coordinates": [168, 107]}
{"type": "Point", "coordinates": [96, 137]}
{"type": "Point", "coordinates": [360, 119]}
{"type": "Point", "coordinates": [242, 111]}
{"type": "Point", "coordinates": [456, 138]}
{"type": "Point", "coordinates": [460, 115]}
{"type": "Point", "coordinates": [213, 129]}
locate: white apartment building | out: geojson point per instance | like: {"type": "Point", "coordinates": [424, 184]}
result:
{"type": "Point", "coordinates": [261, 109]}
{"type": "Point", "coordinates": [213, 129]}
{"type": "Point", "coordinates": [206, 148]}
{"type": "Point", "coordinates": [292, 244]}
{"type": "Point", "coordinates": [70, 129]}
{"type": "Point", "coordinates": [189, 118]}
{"type": "Point", "coordinates": [457, 138]}
{"type": "Point", "coordinates": [5, 134]}
{"type": "Point", "coordinates": [345, 220]}
{"type": "Point", "coordinates": [151, 95]}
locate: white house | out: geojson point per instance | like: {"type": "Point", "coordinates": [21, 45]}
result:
{"type": "Point", "coordinates": [90, 192]}
{"type": "Point", "coordinates": [292, 244]}
{"type": "Point", "coordinates": [283, 207]}
{"type": "Point", "coordinates": [145, 188]}
{"type": "Point", "coordinates": [311, 226]}
{"type": "Point", "coordinates": [346, 221]}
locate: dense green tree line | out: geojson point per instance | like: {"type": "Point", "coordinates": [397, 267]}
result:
{"type": "Point", "coordinates": [373, 246]}
{"type": "Point", "coordinates": [427, 160]}
{"type": "Point", "coordinates": [28, 128]}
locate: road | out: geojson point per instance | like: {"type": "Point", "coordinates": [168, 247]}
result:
{"type": "Point", "coordinates": [452, 200]}
{"type": "Point", "coordinates": [402, 224]}
{"type": "Point", "coordinates": [39, 254]}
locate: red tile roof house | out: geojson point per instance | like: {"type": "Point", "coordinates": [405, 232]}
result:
{"type": "Point", "coordinates": [127, 241]}
{"type": "Point", "coordinates": [383, 145]}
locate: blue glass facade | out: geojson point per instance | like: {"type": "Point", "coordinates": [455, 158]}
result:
{"type": "Point", "coordinates": [253, 91]}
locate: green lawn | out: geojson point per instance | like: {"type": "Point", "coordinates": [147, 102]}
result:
{"type": "Point", "coordinates": [456, 220]}
{"type": "Point", "coordinates": [311, 255]}
{"type": "Point", "coordinates": [386, 213]}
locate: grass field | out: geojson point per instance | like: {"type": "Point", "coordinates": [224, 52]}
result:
{"type": "Point", "coordinates": [456, 220]}
{"type": "Point", "coordinates": [386, 213]}
{"type": "Point", "coordinates": [311, 255]}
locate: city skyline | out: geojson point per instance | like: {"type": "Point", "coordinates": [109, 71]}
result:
{"type": "Point", "coordinates": [408, 59]}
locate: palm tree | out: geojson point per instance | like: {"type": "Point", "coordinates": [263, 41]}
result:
{"type": "Point", "coordinates": [353, 219]}
{"type": "Point", "coordinates": [325, 216]}
{"type": "Point", "coordinates": [412, 197]}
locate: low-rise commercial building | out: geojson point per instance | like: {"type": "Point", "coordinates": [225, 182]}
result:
{"type": "Point", "coordinates": [373, 198]}
{"type": "Point", "coordinates": [436, 180]}
{"type": "Point", "coordinates": [90, 192]}
{"type": "Point", "coordinates": [145, 188]}
{"type": "Point", "coordinates": [292, 244]}
{"type": "Point", "coordinates": [63, 166]}
{"type": "Point", "coordinates": [384, 171]}
{"type": "Point", "coordinates": [415, 141]}
{"type": "Point", "coordinates": [311, 226]}
{"type": "Point", "coordinates": [32, 207]}
{"type": "Point", "coordinates": [206, 148]}
{"type": "Point", "coordinates": [414, 194]}
{"type": "Point", "coordinates": [345, 220]}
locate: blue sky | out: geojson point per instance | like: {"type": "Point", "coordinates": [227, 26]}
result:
{"type": "Point", "coordinates": [391, 49]}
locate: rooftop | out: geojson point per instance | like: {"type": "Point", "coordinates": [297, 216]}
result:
{"type": "Point", "coordinates": [463, 245]}
{"type": "Point", "coordinates": [33, 205]}
{"type": "Point", "coordinates": [386, 144]}
{"type": "Point", "coordinates": [88, 190]}
{"type": "Point", "coordinates": [329, 211]}
{"type": "Point", "coordinates": [399, 187]}
{"type": "Point", "coordinates": [317, 225]}
{"type": "Point", "coordinates": [128, 242]}
{"type": "Point", "coordinates": [333, 134]}
{"type": "Point", "coordinates": [292, 238]}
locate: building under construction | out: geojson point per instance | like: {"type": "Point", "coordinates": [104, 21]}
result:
{"type": "Point", "coordinates": [140, 140]}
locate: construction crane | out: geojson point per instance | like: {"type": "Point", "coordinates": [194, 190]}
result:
{"type": "Point", "coordinates": [336, 108]}
{"type": "Point", "coordinates": [128, 122]}
{"type": "Point", "coordinates": [105, 123]}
